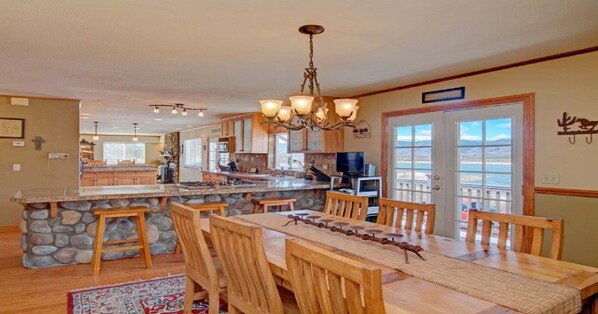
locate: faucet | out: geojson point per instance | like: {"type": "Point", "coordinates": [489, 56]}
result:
{"type": "Point", "coordinates": [301, 164]}
{"type": "Point", "coordinates": [277, 173]}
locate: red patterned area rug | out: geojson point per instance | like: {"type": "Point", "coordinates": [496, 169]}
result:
{"type": "Point", "coordinates": [154, 296]}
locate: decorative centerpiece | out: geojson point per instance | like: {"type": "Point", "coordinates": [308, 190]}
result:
{"type": "Point", "coordinates": [369, 234]}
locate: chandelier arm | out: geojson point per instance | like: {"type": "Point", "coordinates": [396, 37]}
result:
{"type": "Point", "coordinates": [286, 125]}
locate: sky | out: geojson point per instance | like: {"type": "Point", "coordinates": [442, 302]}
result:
{"type": "Point", "coordinates": [496, 129]}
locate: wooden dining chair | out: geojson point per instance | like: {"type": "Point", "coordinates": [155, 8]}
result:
{"type": "Point", "coordinates": [346, 205]}
{"type": "Point", "coordinates": [523, 225]}
{"type": "Point", "coordinates": [251, 286]}
{"type": "Point", "coordinates": [392, 212]}
{"type": "Point", "coordinates": [200, 268]}
{"type": "Point", "coordinates": [325, 282]}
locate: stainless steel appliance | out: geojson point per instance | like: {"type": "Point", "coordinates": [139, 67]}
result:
{"type": "Point", "coordinates": [197, 185]}
{"type": "Point", "coordinates": [226, 144]}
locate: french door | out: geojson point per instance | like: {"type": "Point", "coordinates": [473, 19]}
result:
{"type": "Point", "coordinates": [458, 160]}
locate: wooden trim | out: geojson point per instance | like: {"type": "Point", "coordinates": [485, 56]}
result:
{"type": "Point", "coordinates": [483, 71]}
{"type": "Point", "coordinates": [527, 101]}
{"type": "Point", "coordinates": [40, 98]}
{"type": "Point", "coordinates": [566, 192]}
{"type": "Point", "coordinates": [53, 209]}
{"type": "Point", "coordinates": [9, 229]}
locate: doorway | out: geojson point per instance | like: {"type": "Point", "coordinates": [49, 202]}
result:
{"type": "Point", "coordinates": [458, 159]}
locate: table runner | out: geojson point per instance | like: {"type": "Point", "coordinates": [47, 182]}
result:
{"type": "Point", "coordinates": [514, 291]}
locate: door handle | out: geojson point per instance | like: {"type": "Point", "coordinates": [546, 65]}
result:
{"type": "Point", "coordinates": [436, 187]}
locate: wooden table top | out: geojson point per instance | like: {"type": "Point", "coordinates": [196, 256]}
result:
{"type": "Point", "coordinates": [403, 293]}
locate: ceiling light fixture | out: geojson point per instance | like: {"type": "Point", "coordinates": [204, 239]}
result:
{"type": "Point", "coordinates": [95, 135]}
{"type": "Point", "coordinates": [307, 115]}
{"type": "Point", "coordinates": [176, 107]}
{"type": "Point", "coordinates": [135, 139]}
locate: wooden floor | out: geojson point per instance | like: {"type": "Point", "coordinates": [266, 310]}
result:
{"type": "Point", "coordinates": [44, 290]}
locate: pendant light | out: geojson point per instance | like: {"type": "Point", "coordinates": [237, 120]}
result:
{"type": "Point", "coordinates": [95, 135]}
{"type": "Point", "coordinates": [135, 139]}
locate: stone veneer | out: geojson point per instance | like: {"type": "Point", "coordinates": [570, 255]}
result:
{"type": "Point", "coordinates": [172, 143]}
{"type": "Point", "coordinates": [69, 237]}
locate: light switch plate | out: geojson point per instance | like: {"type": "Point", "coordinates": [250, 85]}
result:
{"type": "Point", "coordinates": [550, 178]}
{"type": "Point", "coordinates": [18, 143]}
{"type": "Point", "coordinates": [16, 167]}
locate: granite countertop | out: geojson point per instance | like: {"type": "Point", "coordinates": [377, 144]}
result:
{"type": "Point", "coordinates": [158, 190]}
{"type": "Point", "coordinates": [250, 175]}
{"type": "Point", "coordinates": [118, 168]}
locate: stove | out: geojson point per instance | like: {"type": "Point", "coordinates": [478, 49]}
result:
{"type": "Point", "coordinates": [196, 185]}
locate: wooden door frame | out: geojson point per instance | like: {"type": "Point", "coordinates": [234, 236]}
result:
{"type": "Point", "coordinates": [528, 102]}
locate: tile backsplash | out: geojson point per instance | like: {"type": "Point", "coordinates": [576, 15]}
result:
{"type": "Point", "coordinates": [325, 162]}
{"type": "Point", "coordinates": [247, 161]}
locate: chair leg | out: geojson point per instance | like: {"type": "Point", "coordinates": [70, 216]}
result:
{"type": "Point", "coordinates": [214, 301]}
{"type": "Point", "coordinates": [232, 310]}
{"type": "Point", "coordinates": [265, 208]}
{"type": "Point", "coordinates": [291, 206]}
{"type": "Point", "coordinates": [177, 248]}
{"type": "Point", "coordinates": [256, 207]}
{"type": "Point", "coordinates": [98, 245]}
{"type": "Point", "coordinates": [189, 292]}
{"type": "Point", "coordinates": [142, 233]}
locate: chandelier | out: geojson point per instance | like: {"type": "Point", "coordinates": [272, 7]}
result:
{"type": "Point", "coordinates": [303, 112]}
{"type": "Point", "coordinates": [176, 107]}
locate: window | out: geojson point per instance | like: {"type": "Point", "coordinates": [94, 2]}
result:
{"type": "Point", "coordinates": [282, 158]}
{"type": "Point", "coordinates": [213, 153]}
{"type": "Point", "coordinates": [113, 152]}
{"type": "Point", "coordinates": [192, 151]}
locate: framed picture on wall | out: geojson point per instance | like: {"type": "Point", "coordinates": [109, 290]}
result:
{"type": "Point", "coordinates": [12, 128]}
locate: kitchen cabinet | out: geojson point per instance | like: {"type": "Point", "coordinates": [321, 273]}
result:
{"type": "Point", "coordinates": [108, 178]}
{"type": "Point", "coordinates": [227, 127]}
{"type": "Point", "coordinates": [212, 177]}
{"type": "Point", "coordinates": [308, 141]}
{"type": "Point", "coordinates": [251, 137]}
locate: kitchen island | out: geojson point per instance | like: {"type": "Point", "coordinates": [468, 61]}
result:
{"type": "Point", "coordinates": [59, 228]}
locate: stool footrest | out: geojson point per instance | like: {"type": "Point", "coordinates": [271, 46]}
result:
{"type": "Point", "coordinates": [121, 241]}
{"type": "Point", "coordinates": [122, 248]}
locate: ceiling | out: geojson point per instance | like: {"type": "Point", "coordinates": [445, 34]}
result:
{"type": "Point", "coordinates": [118, 56]}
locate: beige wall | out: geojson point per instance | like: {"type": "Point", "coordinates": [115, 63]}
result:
{"type": "Point", "coordinates": [153, 144]}
{"type": "Point", "coordinates": [191, 173]}
{"type": "Point", "coordinates": [569, 84]}
{"type": "Point", "coordinates": [56, 121]}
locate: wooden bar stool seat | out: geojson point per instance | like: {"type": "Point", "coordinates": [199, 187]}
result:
{"type": "Point", "coordinates": [137, 214]}
{"type": "Point", "coordinates": [272, 202]}
{"type": "Point", "coordinates": [215, 207]}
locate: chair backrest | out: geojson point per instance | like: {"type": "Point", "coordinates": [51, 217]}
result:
{"type": "Point", "coordinates": [325, 282]}
{"type": "Point", "coordinates": [392, 212]}
{"type": "Point", "coordinates": [198, 260]}
{"type": "Point", "coordinates": [251, 286]}
{"type": "Point", "coordinates": [126, 162]}
{"type": "Point", "coordinates": [94, 163]}
{"type": "Point", "coordinates": [525, 227]}
{"type": "Point", "coordinates": [346, 205]}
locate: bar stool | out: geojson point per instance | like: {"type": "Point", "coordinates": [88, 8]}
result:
{"type": "Point", "coordinates": [272, 202]}
{"type": "Point", "coordinates": [137, 214]}
{"type": "Point", "coordinates": [215, 207]}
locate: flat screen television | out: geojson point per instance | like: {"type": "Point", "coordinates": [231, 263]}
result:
{"type": "Point", "coordinates": [350, 163]}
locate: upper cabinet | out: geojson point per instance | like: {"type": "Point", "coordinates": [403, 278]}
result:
{"type": "Point", "coordinates": [318, 141]}
{"type": "Point", "coordinates": [250, 135]}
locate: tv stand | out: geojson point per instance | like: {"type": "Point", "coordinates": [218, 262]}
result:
{"type": "Point", "coordinates": [370, 187]}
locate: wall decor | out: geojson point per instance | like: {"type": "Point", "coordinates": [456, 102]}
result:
{"type": "Point", "coordinates": [583, 126]}
{"type": "Point", "coordinates": [443, 95]}
{"type": "Point", "coordinates": [362, 130]}
{"type": "Point", "coordinates": [12, 128]}
{"type": "Point", "coordinates": [38, 141]}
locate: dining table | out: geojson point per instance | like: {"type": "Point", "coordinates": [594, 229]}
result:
{"type": "Point", "coordinates": [454, 276]}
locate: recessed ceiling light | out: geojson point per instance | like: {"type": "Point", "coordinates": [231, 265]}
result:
{"type": "Point", "coordinates": [86, 114]}
{"type": "Point", "coordinates": [157, 119]}
{"type": "Point", "coordinates": [117, 127]}
{"type": "Point", "coordinates": [85, 118]}
{"type": "Point", "coordinates": [189, 126]}
{"type": "Point", "coordinates": [147, 122]}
